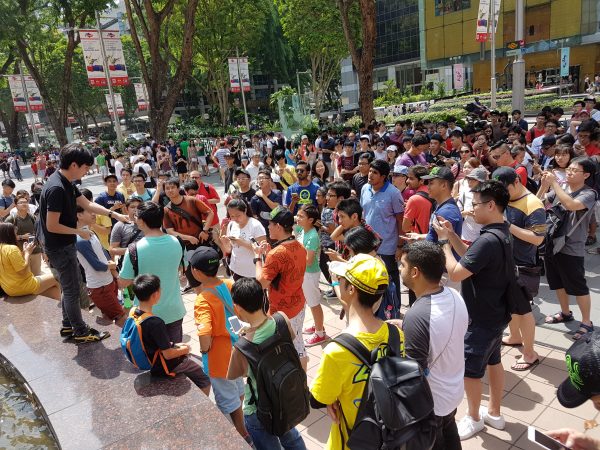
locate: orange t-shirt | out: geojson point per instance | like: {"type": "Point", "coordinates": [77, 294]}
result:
{"type": "Point", "coordinates": [180, 224]}
{"type": "Point", "coordinates": [288, 259]}
{"type": "Point", "coordinates": [418, 210]}
{"type": "Point", "coordinates": [211, 319]}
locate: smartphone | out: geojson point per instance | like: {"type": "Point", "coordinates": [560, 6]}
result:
{"type": "Point", "coordinates": [543, 440]}
{"type": "Point", "coordinates": [236, 324]}
{"type": "Point", "coordinates": [31, 239]}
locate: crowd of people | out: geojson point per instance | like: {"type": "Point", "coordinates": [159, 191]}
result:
{"type": "Point", "coordinates": [467, 220]}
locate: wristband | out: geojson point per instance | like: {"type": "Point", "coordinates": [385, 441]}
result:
{"type": "Point", "coordinates": [335, 283]}
{"type": "Point", "coordinates": [110, 213]}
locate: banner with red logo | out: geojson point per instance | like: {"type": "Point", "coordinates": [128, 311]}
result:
{"type": "Point", "coordinates": [119, 104]}
{"type": "Point", "coordinates": [115, 60]}
{"type": "Point", "coordinates": [140, 96]}
{"type": "Point", "coordinates": [18, 95]}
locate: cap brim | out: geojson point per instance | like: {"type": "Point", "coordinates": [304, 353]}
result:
{"type": "Point", "coordinates": [569, 396]}
{"type": "Point", "coordinates": [429, 177]}
{"type": "Point", "coordinates": [339, 268]}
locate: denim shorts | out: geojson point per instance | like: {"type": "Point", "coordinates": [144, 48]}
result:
{"type": "Point", "coordinates": [482, 348]}
{"type": "Point", "coordinates": [228, 393]}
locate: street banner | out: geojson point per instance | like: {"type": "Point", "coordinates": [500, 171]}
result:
{"type": "Point", "coordinates": [18, 96]}
{"type": "Point", "coordinates": [36, 120]}
{"type": "Point", "coordinates": [564, 61]}
{"type": "Point", "coordinates": [237, 67]}
{"type": "Point", "coordinates": [458, 75]}
{"type": "Point", "coordinates": [483, 19]}
{"type": "Point", "coordinates": [92, 54]}
{"type": "Point", "coordinates": [118, 101]}
{"type": "Point", "coordinates": [140, 95]}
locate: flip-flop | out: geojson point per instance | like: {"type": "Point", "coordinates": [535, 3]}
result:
{"type": "Point", "coordinates": [506, 344]}
{"type": "Point", "coordinates": [559, 317]}
{"type": "Point", "coordinates": [525, 365]}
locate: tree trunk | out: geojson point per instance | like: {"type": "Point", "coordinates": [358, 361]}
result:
{"type": "Point", "coordinates": [11, 125]}
{"type": "Point", "coordinates": [156, 72]}
{"type": "Point", "coordinates": [363, 57]}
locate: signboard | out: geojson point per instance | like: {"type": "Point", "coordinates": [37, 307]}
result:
{"type": "Point", "coordinates": [18, 96]}
{"type": "Point", "coordinates": [36, 120]}
{"type": "Point", "coordinates": [115, 60]}
{"type": "Point", "coordinates": [483, 19]}
{"type": "Point", "coordinates": [239, 67]}
{"type": "Point", "coordinates": [118, 101]}
{"type": "Point", "coordinates": [140, 96]}
{"type": "Point", "coordinates": [458, 76]}
{"type": "Point", "coordinates": [564, 61]}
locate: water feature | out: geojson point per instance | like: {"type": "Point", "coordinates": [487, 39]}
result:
{"type": "Point", "coordinates": [23, 424]}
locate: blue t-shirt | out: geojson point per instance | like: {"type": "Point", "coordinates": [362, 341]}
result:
{"type": "Point", "coordinates": [379, 211]}
{"type": "Point", "coordinates": [449, 211]}
{"type": "Point", "coordinates": [289, 159]}
{"type": "Point", "coordinates": [261, 210]}
{"type": "Point", "coordinates": [108, 201]}
{"type": "Point", "coordinates": [160, 256]}
{"type": "Point", "coordinates": [307, 195]}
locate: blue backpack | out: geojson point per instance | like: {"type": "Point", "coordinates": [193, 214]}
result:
{"type": "Point", "coordinates": [390, 304]}
{"type": "Point", "coordinates": [133, 345]}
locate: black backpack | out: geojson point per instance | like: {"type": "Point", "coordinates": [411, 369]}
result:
{"type": "Point", "coordinates": [396, 409]}
{"type": "Point", "coordinates": [282, 397]}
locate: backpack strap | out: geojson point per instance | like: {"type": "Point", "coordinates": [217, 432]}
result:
{"type": "Point", "coordinates": [282, 327]}
{"type": "Point", "coordinates": [133, 257]}
{"type": "Point", "coordinates": [355, 347]}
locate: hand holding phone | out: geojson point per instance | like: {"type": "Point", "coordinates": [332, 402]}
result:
{"type": "Point", "coordinates": [544, 441]}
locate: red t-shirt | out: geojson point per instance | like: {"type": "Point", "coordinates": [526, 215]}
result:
{"type": "Point", "coordinates": [521, 171]}
{"type": "Point", "coordinates": [288, 260]}
{"type": "Point", "coordinates": [418, 211]}
{"type": "Point", "coordinates": [536, 133]}
{"type": "Point", "coordinates": [346, 162]}
{"type": "Point", "coordinates": [592, 150]}
{"type": "Point", "coordinates": [209, 194]}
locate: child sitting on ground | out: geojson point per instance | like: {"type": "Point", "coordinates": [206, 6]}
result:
{"type": "Point", "coordinates": [100, 271]}
{"type": "Point", "coordinates": [154, 334]}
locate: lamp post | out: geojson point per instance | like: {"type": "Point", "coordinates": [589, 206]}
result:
{"type": "Point", "coordinates": [518, 84]}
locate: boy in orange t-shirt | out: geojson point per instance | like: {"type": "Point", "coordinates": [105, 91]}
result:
{"type": "Point", "coordinates": [213, 308]}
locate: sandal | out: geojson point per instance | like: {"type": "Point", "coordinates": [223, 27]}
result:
{"type": "Point", "coordinates": [522, 366]}
{"type": "Point", "coordinates": [580, 334]}
{"type": "Point", "coordinates": [559, 317]}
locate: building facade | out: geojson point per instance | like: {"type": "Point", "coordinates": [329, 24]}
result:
{"type": "Point", "coordinates": [448, 40]}
{"type": "Point", "coordinates": [397, 54]}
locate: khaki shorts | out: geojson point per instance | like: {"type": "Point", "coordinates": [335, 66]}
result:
{"type": "Point", "coordinates": [297, 323]}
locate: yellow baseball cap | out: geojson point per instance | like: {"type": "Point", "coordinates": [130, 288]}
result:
{"type": "Point", "coordinates": [365, 272]}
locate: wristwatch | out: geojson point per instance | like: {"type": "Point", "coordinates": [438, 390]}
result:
{"type": "Point", "coordinates": [110, 214]}
{"type": "Point", "coordinates": [256, 260]}
{"type": "Point", "coordinates": [443, 242]}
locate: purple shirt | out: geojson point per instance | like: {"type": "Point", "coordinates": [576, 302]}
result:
{"type": "Point", "coordinates": [408, 160]}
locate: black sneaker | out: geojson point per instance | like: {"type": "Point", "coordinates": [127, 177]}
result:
{"type": "Point", "coordinates": [92, 335]}
{"type": "Point", "coordinates": [66, 332]}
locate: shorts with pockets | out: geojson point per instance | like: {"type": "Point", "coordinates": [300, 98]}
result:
{"type": "Point", "coordinates": [566, 272]}
{"type": "Point", "coordinates": [228, 393]}
{"type": "Point", "coordinates": [482, 348]}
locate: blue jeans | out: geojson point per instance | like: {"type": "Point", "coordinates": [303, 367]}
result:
{"type": "Point", "coordinates": [265, 441]}
{"type": "Point", "coordinates": [64, 260]}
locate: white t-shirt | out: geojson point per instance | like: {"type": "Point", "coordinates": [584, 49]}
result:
{"type": "Point", "coordinates": [147, 168]}
{"type": "Point", "coordinates": [241, 257]}
{"type": "Point", "coordinates": [434, 331]}
{"type": "Point", "coordinates": [118, 169]}
{"type": "Point", "coordinates": [470, 228]}
{"type": "Point", "coordinates": [93, 277]}
{"type": "Point", "coordinates": [253, 170]}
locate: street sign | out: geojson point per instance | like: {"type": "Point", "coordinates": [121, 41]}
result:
{"type": "Point", "coordinates": [564, 61]}
{"type": "Point", "coordinates": [515, 52]}
{"type": "Point", "coordinates": [18, 95]}
{"type": "Point", "coordinates": [92, 54]}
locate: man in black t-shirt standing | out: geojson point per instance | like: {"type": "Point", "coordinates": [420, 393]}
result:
{"type": "Point", "coordinates": [58, 218]}
{"type": "Point", "coordinates": [482, 269]}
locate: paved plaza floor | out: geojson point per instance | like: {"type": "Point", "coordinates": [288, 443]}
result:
{"type": "Point", "coordinates": [529, 397]}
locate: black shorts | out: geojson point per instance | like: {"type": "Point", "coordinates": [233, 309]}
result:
{"type": "Point", "coordinates": [482, 348]}
{"type": "Point", "coordinates": [566, 272]}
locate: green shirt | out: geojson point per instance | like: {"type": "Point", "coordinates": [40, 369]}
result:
{"type": "Point", "coordinates": [264, 332]}
{"type": "Point", "coordinates": [311, 241]}
{"type": "Point", "coordinates": [183, 145]}
{"type": "Point", "coordinates": [100, 160]}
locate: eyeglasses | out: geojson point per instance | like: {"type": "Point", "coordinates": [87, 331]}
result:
{"type": "Point", "coordinates": [330, 195]}
{"type": "Point", "coordinates": [573, 170]}
{"type": "Point", "coordinates": [300, 170]}
{"type": "Point", "coordinates": [479, 203]}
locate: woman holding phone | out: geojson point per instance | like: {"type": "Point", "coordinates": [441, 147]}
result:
{"type": "Point", "coordinates": [241, 231]}
{"type": "Point", "coordinates": [16, 278]}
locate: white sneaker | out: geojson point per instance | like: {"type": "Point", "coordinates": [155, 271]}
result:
{"type": "Point", "coordinates": [496, 422]}
{"type": "Point", "coordinates": [468, 427]}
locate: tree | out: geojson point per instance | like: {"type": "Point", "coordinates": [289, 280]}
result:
{"type": "Point", "coordinates": [164, 73]}
{"type": "Point", "coordinates": [32, 28]}
{"type": "Point", "coordinates": [324, 48]}
{"type": "Point", "coordinates": [8, 115]}
{"type": "Point", "coordinates": [223, 28]}
{"type": "Point", "coordinates": [361, 46]}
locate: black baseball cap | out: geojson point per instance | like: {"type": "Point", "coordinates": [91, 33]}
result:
{"type": "Point", "coordinates": [505, 175]}
{"type": "Point", "coordinates": [282, 216]}
{"type": "Point", "coordinates": [240, 171]}
{"type": "Point", "coordinates": [205, 259]}
{"type": "Point", "coordinates": [583, 364]}
{"type": "Point", "coordinates": [441, 172]}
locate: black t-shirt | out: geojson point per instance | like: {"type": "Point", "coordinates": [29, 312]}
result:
{"type": "Point", "coordinates": [358, 181]}
{"type": "Point", "coordinates": [155, 337]}
{"type": "Point", "coordinates": [484, 291]}
{"type": "Point", "coordinates": [247, 196]}
{"type": "Point", "coordinates": [59, 195]}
